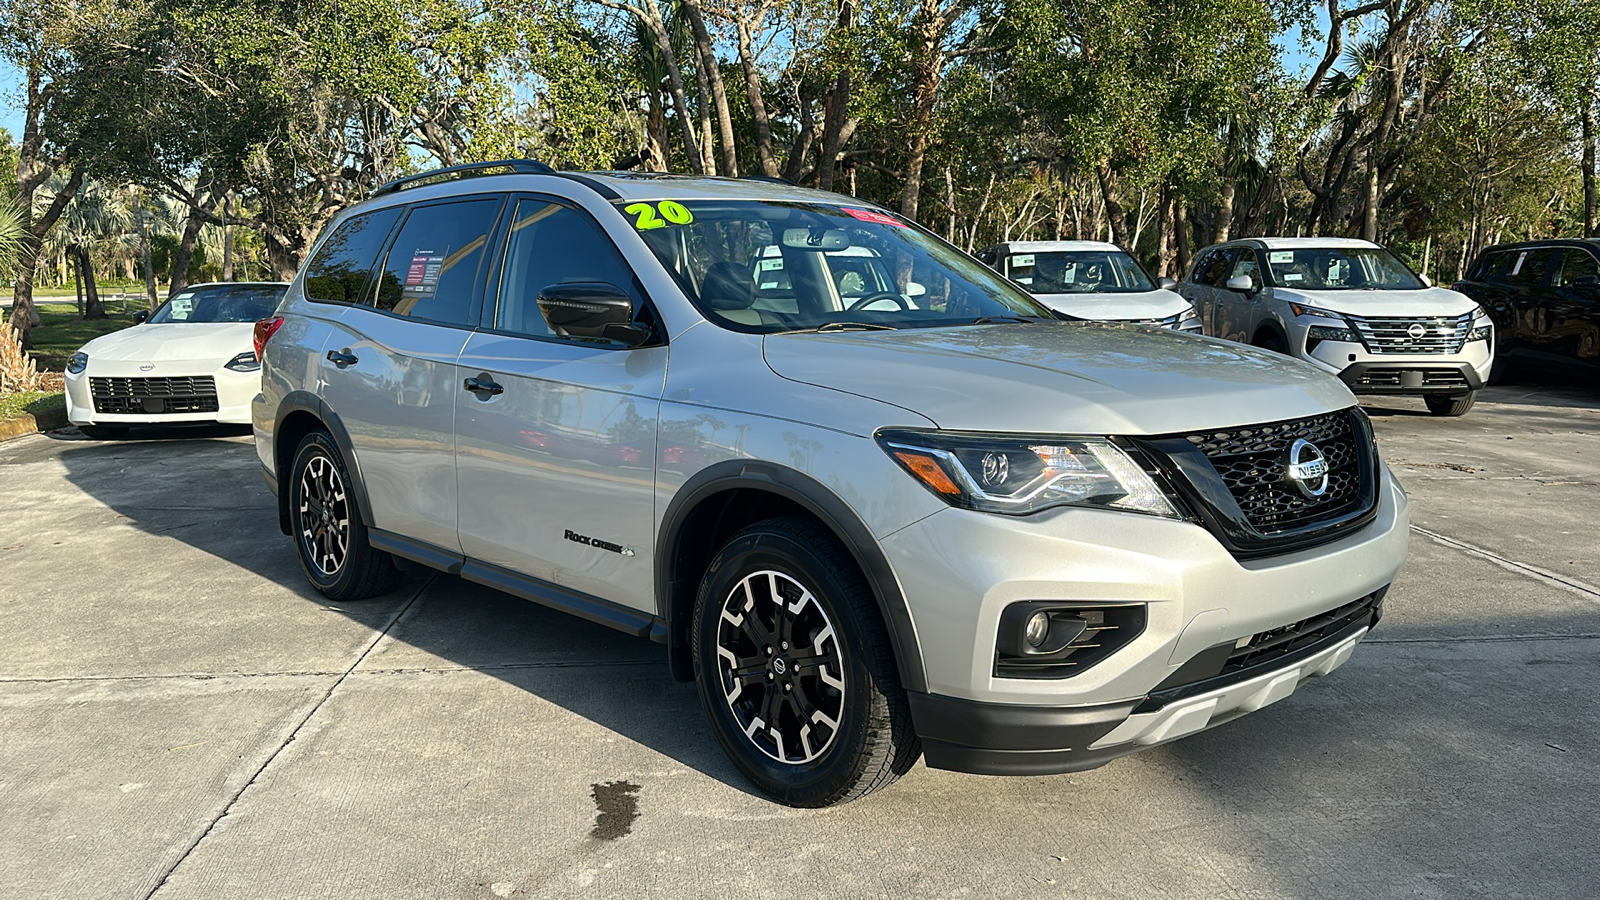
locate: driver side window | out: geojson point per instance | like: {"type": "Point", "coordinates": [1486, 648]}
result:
{"type": "Point", "coordinates": [1248, 266]}
{"type": "Point", "coordinates": [547, 244]}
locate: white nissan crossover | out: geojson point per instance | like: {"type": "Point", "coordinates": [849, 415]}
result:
{"type": "Point", "coordinates": [1092, 280]}
{"type": "Point", "coordinates": [1350, 308]}
{"type": "Point", "coordinates": [192, 361]}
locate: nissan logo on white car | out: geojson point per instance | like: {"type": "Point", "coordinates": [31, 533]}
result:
{"type": "Point", "coordinates": [1308, 468]}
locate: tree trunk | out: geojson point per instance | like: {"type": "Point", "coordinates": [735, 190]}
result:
{"type": "Point", "coordinates": [144, 250]}
{"type": "Point", "coordinates": [1185, 243]}
{"type": "Point", "coordinates": [708, 153]}
{"type": "Point", "coordinates": [796, 163]}
{"type": "Point", "coordinates": [719, 94]}
{"type": "Point", "coordinates": [926, 60]}
{"type": "Point", "coordinates": [77, 279]}
{"type": "Point", "coordinates": [1591, 196]}
{"type": "Point", "coordinates": [1114, 212]}
{"type": "Point", "coordinates": [279, 254]}
{"type": "Point", "coordinates": [1165, 228]}
{"type": "Point", "coordinates": [680, 102]}
{"type": "Point", "coordinates": [185, 254]}
{"type": "Point", "coordinates": [227, 237]}
{"type": "Point", "coordinates": [1222, 216]}
{"type": "Point", "coordinates": [758, 106]}
{"type": "Point", "coordinates": [836, 124]}
{"type": "Point", "coordinates": [1369, 198]}
{"type": "Point", "coordinates": [92, 307]}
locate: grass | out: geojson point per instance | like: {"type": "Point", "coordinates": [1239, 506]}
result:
{"type": "Point", "coordinates": [14, 406]}
{"type": "Point", "coordinates": [61, 333]}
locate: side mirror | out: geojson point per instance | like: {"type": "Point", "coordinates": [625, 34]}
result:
{"type": "Point", "coordinates": [140, 316]}
{"type": "Point", "coordinates": [1244, 284]}
{"type": "Point", "coordinates": [591, 309]}
{"type": "Point", "coordinates": [1167, 284]}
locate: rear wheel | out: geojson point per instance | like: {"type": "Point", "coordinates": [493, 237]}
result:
{"type": "Point", "coordinates": [795, 670]}
{"type": "Point", "coordinates": [328, 532]}
{"type": "Point", "coordinates": [103, 432]}
{"type": "Point", "coordinates": [1453, 405]}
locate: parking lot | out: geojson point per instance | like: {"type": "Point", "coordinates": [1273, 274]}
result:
{"type": "Point", "coordinates": [181, 716]}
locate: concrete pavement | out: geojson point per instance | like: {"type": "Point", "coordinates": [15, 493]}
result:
{"type": "Point", "coordinates": [182, 717]}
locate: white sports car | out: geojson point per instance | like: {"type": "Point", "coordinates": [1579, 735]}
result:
{"type": "Point", "coordinates": [193, 360]}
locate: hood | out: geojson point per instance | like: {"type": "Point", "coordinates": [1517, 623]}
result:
{"type": "Point", "coordinates": [174, 341]}
{"type": "Point", "coordinates": [1156, 304]}
{"type": "Point", "coordinates": [1435, 301]}
{"type": "Point", "coordinates": [1061, 378]}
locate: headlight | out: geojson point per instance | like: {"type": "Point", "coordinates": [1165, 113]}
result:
{"type": "Point", "coordinates": [244, 362]}
{"type": "Point", "coordinates": [1300, 309]}
{"type": "Point", "coordinates": [78, 363]}
{"type": "Point", "coordinates": [1482, 325]}
{"type": "Point", "coordinates": [1013, 475]}
{"type": "Point", "coordinates": [1188, 320]}
{"type": "Point", "coordinates": [1321, 333]}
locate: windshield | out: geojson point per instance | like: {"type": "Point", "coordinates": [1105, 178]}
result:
{"type": "Point", "coordinates": [1340, 269]}
{"type": "Point", "coordinates": [1078, 272]}
{"type": "Point", "coordinates": [768, 266]}
{"type": "Point", "coordinates": [227, 303]}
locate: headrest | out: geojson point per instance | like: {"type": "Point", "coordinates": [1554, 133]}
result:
{"type": "Point", "coordinates": [725, 287]}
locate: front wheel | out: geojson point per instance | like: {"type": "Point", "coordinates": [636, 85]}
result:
{"type": "Point", "coordinates": [795, 669]}
{"type": "Point", "coordinates": [328, 531]}
{"type": "Point", "coordinates": [1453, 405]}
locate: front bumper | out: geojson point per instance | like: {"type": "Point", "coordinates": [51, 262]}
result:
{"type": "Point", "coordinates": [234, 393]}
{"type": "Point", "coordinates": [1411, 374]}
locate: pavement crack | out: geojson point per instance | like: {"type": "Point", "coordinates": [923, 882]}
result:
{"type": "Point", "coordinates": [1554, 579]}
{"type": "Point", "coordinates": [294, 734]}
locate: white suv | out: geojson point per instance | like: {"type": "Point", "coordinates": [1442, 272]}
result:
{"type": "Point", "coordinates": [867, 528]}
{"type": "Point", "coordinates": [1092, 280]}
{"type": "Point", "coordinates": [1350, 308]}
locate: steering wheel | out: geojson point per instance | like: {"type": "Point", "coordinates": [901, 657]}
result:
{"type": "Point", "coordinates": [870, 299]}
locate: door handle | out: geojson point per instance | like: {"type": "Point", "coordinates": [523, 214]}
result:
{"type": "Point", "coordinates": [484, 386]}
{"type": "Point", "coordinates": [342, 358]}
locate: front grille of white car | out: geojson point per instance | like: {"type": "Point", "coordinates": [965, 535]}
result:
{"type": "Point", "coordinates": [1437, 334]}
{"type": "Point", "coordinates": [154, 396]}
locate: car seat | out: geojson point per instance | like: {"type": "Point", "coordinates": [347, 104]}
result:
{"type": "Point", "coordinates": [730, 292]}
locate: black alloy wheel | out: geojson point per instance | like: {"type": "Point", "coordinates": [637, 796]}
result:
{"type": "Point", "coordinates": [795, 670]}
{"type": "Point", "coordinates": [327, 527]}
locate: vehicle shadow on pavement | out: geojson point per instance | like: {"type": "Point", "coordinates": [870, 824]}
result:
{"type": "Point", "coordinates": [445, 624]}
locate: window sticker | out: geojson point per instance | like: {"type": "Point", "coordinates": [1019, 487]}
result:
{"type": "Point", "coordinates": [768, 265]}
{"type": "Point", "coordinates": [876, 218]}
{"type": "Point", "coordinates": [422, 276]}
{"type": "Point", "coordinates": [1022, 260]}
{"type": "Point", "coordinates": [1279, 257]}
{"type": "Point", "coordinates": [648, 216]}
{"type": "Point", "coordinates": [1521, 258]}
{"type": "Point", "coordinates": [1292, 277]}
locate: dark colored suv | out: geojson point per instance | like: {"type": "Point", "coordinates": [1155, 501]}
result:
{"type": "Point", "coordinates": [1544, 297]}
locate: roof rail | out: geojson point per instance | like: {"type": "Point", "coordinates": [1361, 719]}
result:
{"type": "Point", "coordinates": [769, 179]}
{"type": "Point", "coordinates": [451, 173]}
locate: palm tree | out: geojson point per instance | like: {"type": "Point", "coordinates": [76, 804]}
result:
{"type": "Point", "coordinates": [11, 231]}
{"type": "Point", "coordinates": [95, 225]}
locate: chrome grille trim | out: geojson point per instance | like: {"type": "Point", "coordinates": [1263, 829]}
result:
{"type": "Point", "coordinates": [1441, 334]}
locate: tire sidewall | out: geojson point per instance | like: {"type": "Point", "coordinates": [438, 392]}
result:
{"type": "Point", "coordinates": [314, 445]}
{"type": "Point", "coordinates": [805, 783]}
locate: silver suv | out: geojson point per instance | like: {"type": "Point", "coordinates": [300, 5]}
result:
{"type": "Point", "coordinates": [867, 528]}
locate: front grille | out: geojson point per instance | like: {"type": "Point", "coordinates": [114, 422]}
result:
{"type": "Point", "coordinates": [154, 396]}
{"type": "Point", "coordinates": [1277, 648]}
{"type": "Point", "coordinates": [1438, 334]}
{"type": "Point", "coordinates": [1254, 463]}
{"type": "Point", "coordinates": [1168, 322]}
{"type": "Point", "coordinates": [1393, 378]}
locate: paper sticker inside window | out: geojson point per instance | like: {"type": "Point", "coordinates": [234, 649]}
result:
{"type": "Point", "coordinates": [1278, 257]}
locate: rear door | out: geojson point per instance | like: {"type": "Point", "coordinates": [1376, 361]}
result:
{"type": "Point", "coordinates": [557, 471]}
{"type": "Point", "coordinates": [390, 370]}
{"type": "Point", "coordinates": [1202, 287]}
{"type": "Point", "coordinates": [1522, 279]}
{"type": "Point", "coordinates": [1573, 306]}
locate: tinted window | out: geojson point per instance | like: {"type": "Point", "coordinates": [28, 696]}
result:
{"type": "Point", "coordinates": [551, 244]}
{"type": "Point", "coordinates": [1494, 265]}
{"type": "Point", "coordinates": [1213, 270]}
{"type": "Point", "coordinates": [1576, 264]}
{"type": "Point", "coordinates": [342, 269]}
{"type": "Point", "coordinates": [233, 303]}
{"type": "Point", "coordinates": [1247, 266]}
{"type": "Point", "coordinates": [432, 267]}
{"type": "Point", "coordinates": [1527, 266]}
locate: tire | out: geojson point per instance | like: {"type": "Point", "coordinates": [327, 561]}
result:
{"type": "Point", "coordinates": [1274, 343]}
{"type": "Point", "coordinates": [815, 765]}
{"type": "Point", "coordinates": [1453, 405]}
{"type": "Point", "coordinates": [103, 432]}
{"type": "Point", "coordinates": [329, 536]}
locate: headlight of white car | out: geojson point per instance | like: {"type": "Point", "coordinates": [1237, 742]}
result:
{"type": "Point", "coordinates": [1482, 326]}
{"type": "Point", "coordinates": [1189, 321]}
{"type": "Point", "coordinates": [77, 363]}
{"type": "Point", "coordinates": [1314, 312]}
{"type": "Point", "coordinates": [1016, 475]}
{"type": "Point", "coordinates": [244, 362]}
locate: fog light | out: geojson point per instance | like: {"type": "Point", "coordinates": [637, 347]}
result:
{"type": "Point", "coordinates": [1038, 628]}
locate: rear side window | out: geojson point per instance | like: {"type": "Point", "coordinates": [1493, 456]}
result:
{"type": "Point", "coordinates": [551, 244]}
{"type": "Point", "coordinates": [1575, 265]}
{"type": "Point", "coordinates": [341, 272]}
{"type": "Point", "coordinates": [1493, 266]}
{"type": "Point", "coordinates": [432, 269]}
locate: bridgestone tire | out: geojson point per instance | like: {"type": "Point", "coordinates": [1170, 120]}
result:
{"type": "Point", "coordinates": [873, 743]}
{"type": "Point", "coordinates": [342, 570]}
{"type": "Point", "coordinates": [103, 432]}
{"type": "Point", "coordinates": [1456, 405]}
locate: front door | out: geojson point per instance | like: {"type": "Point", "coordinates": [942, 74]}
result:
{"type": "Point", "coordinates": [1236, 309]}
{"type": "Point", "coordinates": [556, 470]}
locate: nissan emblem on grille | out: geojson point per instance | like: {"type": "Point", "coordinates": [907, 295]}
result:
{"type": "Point", "coordinates": [1308, 468]}
{"type": "Point", "coordinates": [1417, 330]}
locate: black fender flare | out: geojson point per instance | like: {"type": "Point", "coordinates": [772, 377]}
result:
{"type": "Point", "coordinates": [307, 402]}
{"type": "Point", "coordinates": [812, 496]}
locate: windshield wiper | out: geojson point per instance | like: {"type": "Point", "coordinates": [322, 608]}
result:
{"type": "Point", "coordinates": [842, 326]}
{"type": "Point", "coordinates": [1006, 320]}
